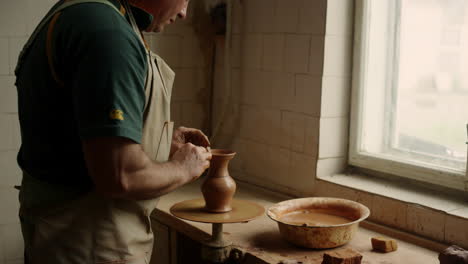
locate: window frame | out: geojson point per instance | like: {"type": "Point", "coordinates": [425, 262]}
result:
{"type": "Point", "coordinates": [380, 162]}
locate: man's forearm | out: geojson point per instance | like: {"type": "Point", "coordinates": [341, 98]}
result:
{"type": "Point", "coordinates": [152, 180]}
{"type": "Point", "coordinates": [121, 169]}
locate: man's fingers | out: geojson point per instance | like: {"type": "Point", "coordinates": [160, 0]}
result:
{"type": "Point", "coordinates": [208, 155]}
{"type": "Point", "coordinates": [197, 138]}
{"type": "Point", "coordinates": [207, 165]}
{"type": "Point", "coordinates": [205, 142]}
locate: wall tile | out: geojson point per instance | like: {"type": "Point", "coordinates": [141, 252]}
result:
{"type": "Point", "coordinates": [287, 15]}
{"type": "Point", "coordinates": [192, 55]}
{"type": "Point", "coordinates": [186, 86]}
{"type": "Point", "coordinates": [256, 159]}
{"type": "Point", "coordinates": [279, 165]}
{"type": "Point", "coordinates": [273, 52]}
{"type": "Point", "coordinates": [15, 47]}
{"type": "Point", "coordinates": [236, 51]}
{"type": "Point", "coordinates": [236, 86]}
{"type": "Point", "coordinates": [5, 127]}
{"type": "Point", "coordinates": [317, 49]}
{"type": "Point", "coordinates": [394, 213]}
{"type": "Point", "coordinates": [8, 100]}
{"type": "Point", "coordinates": [456, 231]}
{"type": "Point", "coordinates": [248, 117]}
{"type": "Point", "coordinates": [16, 132]}
{"type": "Point", "coordinates": [2, 255]}
{"type": "Point", "coordinates": [301, 176]}
{"type": "Point", "coordinates": [338, 56]}
{"type": "Point", "coordinates": [219, 90]}
{"type": "Point", "coordinates": [240, 147]}
{"type": "Point", "coordinates": [168, 47]}
{"type": "Point", "coordinates": [425, 221]}
{"type": "Point", "coordinates": [193, 115]}
{"type": "Point", "coordinates": [336, 92]}
{"type": "Point", "coordinates": [328, 189]}
{"type": "Point", "coordinates": [313, 16]}
{"type": "Point", "coordinates": [9, 205]}
{"type": "Point", "coordinates": [176, 113]}
{"type": "Point", "coordinates": [179, 28]}
{"type": "Point", "coordinates": [237, 17]}
{"type": "Point", "coordinates": [365, 199]}
{"type": "Point", "coordinates": [340, 17]}
{"type": "Point", "coordinates": [10, 173]}
{"type": "Point", "coordinates": [311, 140]}
{"type": "Point", "coordinates": [283, 91]}
{"type": "Point", "coordinates": [229, 125]}
{"type": "Point", "coordinates": [252, 50]}
{"type": "Point", "coordinates": [262, 125]}
{"type": "Point", "coordinates": [333, 137]}
{"type": "Point", "coordinates": [4, 57]}
{"type": "Point", "coordinates": [35, 12]}
{"type": "Point", "coordinates": [272, 119]}
{"type": "Point", "coordinates": [13, 245]}
{"type": "Point", "coordinates": [297, 53]}
{"type": "Point", "coordinates": [259, 15]}
{"type": "Point", "coordinates": [16, 261]}
{"type": "Point", "coordinates": [292, 131]}
{"type": "Point", "coordinates": [256, 88]}
{"type": "Point", "coordinates": [308, 89]}
{"type": "Point", "coordinates": [12, 18]}
{"type": "Point", "coordinates": [331, 166]}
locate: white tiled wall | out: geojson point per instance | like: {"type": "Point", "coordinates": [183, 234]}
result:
{"type": "Point", "coordinates": [281, 49]}
{"type": "Point", "coordinates": [17, 20]}
{"type": "Point", "coordinates": [188, 52]}
{"type": "Point", "coordinates": [180, 46]}
{"type": "Point", "coordinates": [292, 86]}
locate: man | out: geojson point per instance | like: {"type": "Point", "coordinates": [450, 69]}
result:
{"type": "Point", "coordinates": [97, 142]}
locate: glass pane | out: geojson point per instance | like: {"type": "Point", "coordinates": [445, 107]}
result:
{"type": "Point", "coordinates": [431, 105]}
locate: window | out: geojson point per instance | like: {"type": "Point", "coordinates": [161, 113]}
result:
{"type": "Point", "coordinates": [410, 89]}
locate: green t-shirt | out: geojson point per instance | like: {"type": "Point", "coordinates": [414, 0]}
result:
{"type": "Point", "coordinates": [103, 65]}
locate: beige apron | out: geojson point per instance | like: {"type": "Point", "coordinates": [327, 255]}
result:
{"type": "Point", "coordinates": [95, 229]}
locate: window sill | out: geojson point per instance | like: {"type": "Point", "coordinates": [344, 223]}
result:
{"type": "Point", "coordinates": [429, 214]}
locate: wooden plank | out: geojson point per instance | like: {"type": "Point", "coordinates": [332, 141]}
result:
{"type": "Point", "coordinates": [161, 243]}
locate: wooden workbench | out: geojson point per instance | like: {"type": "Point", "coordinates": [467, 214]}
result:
{"type": "Point", "coordinates": [262, 240]}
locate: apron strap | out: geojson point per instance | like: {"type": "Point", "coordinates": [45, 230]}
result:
{"type": "Point", "coordinates": [48, 17]}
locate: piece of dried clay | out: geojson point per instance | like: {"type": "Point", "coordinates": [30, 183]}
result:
{"type": "Point", "coordinates": [343, 256]}
{"type": "Point", "coordinates": [384, 245]}
{"type": "Point", "coordinates": [454, 255]}
{"type": "Point", "coordinates": [290, 262]}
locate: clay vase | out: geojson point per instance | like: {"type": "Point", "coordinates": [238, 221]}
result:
{"type": "Point", "coordinates": [219, 187]}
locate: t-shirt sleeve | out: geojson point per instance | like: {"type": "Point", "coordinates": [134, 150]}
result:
{"type": "Point", "coordinates": [108, 80]}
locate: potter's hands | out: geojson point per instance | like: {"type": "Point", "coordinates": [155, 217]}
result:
{"type": "Point", "coordinates": [193, 161]}
{"type": "Point", "coordinates": [183, 135]}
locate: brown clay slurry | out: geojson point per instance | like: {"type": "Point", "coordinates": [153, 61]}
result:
{"type": "Point", "coordinates": [313, 218]}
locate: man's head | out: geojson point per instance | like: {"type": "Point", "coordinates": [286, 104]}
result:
{"type": "Point", "coordinates": [164, 11]}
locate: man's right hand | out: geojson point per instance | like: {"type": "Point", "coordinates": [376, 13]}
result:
{"type": "Point", "coordinates": [193, 160]}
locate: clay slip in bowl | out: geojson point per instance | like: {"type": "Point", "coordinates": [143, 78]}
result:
{"type": "Point", "coordinates": [322, 235]}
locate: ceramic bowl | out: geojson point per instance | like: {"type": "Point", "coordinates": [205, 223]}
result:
{"type": "Point", "coordinates": [315, 234]}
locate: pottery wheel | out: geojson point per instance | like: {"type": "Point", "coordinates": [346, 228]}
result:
{"type": "Point", "coordinates": [194, 210]}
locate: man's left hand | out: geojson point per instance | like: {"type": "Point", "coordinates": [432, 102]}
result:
{"type": "Point", "coordinates": [183, 135]}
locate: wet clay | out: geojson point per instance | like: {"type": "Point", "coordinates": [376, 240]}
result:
{"type": "Point", "coordinates": [313, 218]}
{"type": "Point", "coordinates": [219, 187]}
